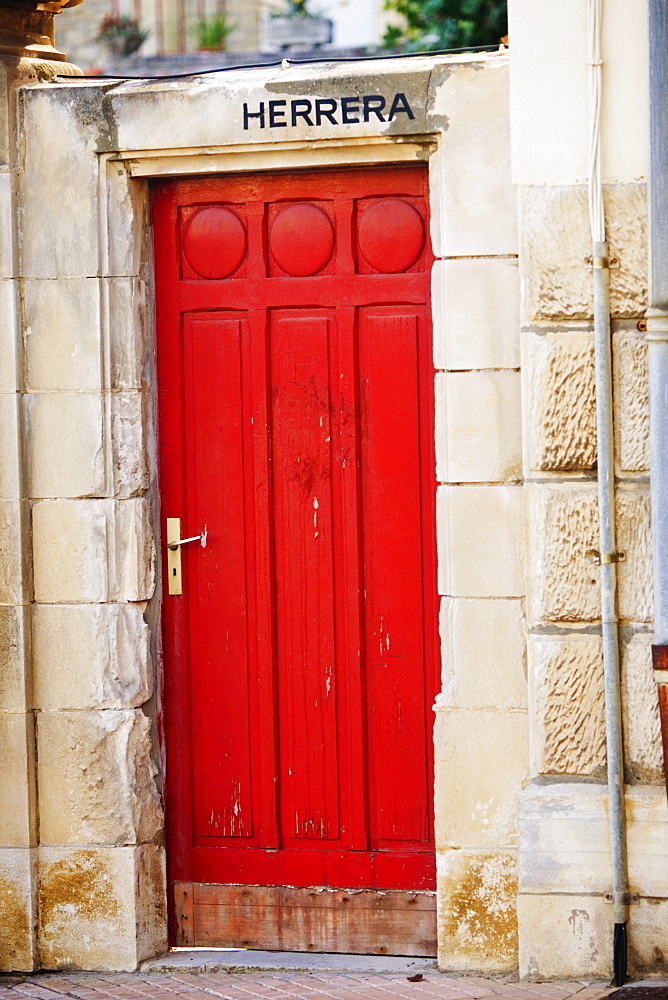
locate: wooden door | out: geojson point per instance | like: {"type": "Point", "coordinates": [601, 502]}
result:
{"type": "Point", "coordinates": [296, 426]}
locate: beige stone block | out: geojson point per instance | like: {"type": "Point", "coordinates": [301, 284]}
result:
{"type": "Point", "coordinates": [643, 750]}
{"type": "Point", "coordinates": [15, 574]}
{"type": "Point", "coordinates": [560, 393]}
{"type": "Point", "coordinates": [568, 705]}
{"type": "Point", "coordinates": [9, 335]}
{"type": "Point", "coordinates": [648, 938]}
{"type": "Point", "coordinates": [563, 528]}
{"type": "Point", "coordinates": [128, 219]}
{"type": "Point", "coordinates": [474, 210]}
{"type": "Point", "coordinates": [10, 480]}
{"type": "Point", "coordinates": [564, 937]}
{"type": "Point", "coordinates": [481, 760]}
{"type": "Point", "coordinates": [483, 654]}
{"type": "Point", "coordinates": [17, 799]}
{"type": "Point", "coordinates": [476, 305]}
{"type": "Point", "coordinates": [65, 444]}
{"type": "Point", "coordinates": [15, 690]}
{"type": "Point", "coordinates": [7, 235]}
{"type": "Point", "coordinates": [134, 551]}
{"type": "Point", "coordinates": [101, 908]}
{"type": "Point", "coordinates": [631, 401]}
{"type": "Point", "coordinates": [18, 912]}
{"type": "Point", "coordinates": [62, 334]}
{"type": "Point", "coordinates": [480, 541]}
{"type": "Point", "coordinates": [90, 656]}
{"type": "Point", "coordinates": [70, 550]}
{"type": "Point", "coordinates": [478, 427]}
{"type": "Point", "coordinates": [477, 911]}
{"type": "Point", "coordinates": [556, 240]}
{"type": "Point", "coordinates": [127, 331]}
{"type": "Point", "coordinates": [96, 778]}
{"type": "Point", "coordinates": [565, 839]}
{"type": "Point", "coordinates": [129, 443]}
{"type": "Point", "coordinates": [59, 230]}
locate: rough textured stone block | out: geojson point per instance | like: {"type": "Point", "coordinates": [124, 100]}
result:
{"type": "Point", "coordinates": [7, 212]}
{"type": "Point", "coordinates": [474, 210]}
{"type": "Point", "coordinates": [564, 937]}
{"type": "Point", "coordinates": [483, 654]}
{"type": "Point", "coordinates": [563, 528]}
{"type": "Point", "coordinates": [643, 751]}
{"type": "Point", "coordinates": [129, 443]}
{"type": "Point", "coordinates": [631, 401]}
{"type": "Point", "coordinates": [127, 333]}
{"type": "Point", "coordinates": [17, 753]}
{"type": "Point", "coordinates": [480, 541]}
{"type": "Point", "coordinates": [127, 209]}
{"type": "Point", "coordinates": [15, 575]}
{"type": "Point", "coordinates": [101, 908]}
{"type": "Point", "coordinates": [15, 693]}
{"type": "Point", "coordinates": [62, 334]}
{"type": "Point", "coordinates": [477, 911]}
{"type": "Point", "coordinates": [65, 448]}
{"type": "Point", "coordinates": [476, 306]}
{"type": "Point", "coordinates": [10, 479]}
{"type": "Point", "coordinates": [481, 760]}
{"type": "Point", "coordinates": [556, 240]}
{"type": "Point", "coordinates": [9, 335]}
{"type": "Point", "coordinates": [560, 395]}
{"type": "Point", "coordinates": [478, 427]}
{"type": "Point", "coordinates": [17, 910]}
{"type": "Point", "coordinates": [90, 656]}
{"type": "Point", "coordinates": [648, 938]}
{"type": "Point", "coordinates": [568, 705]}
{"type": "Point", "coordinates": [96, 778]}
{"type": "Point", "coordinates": [134, 551]}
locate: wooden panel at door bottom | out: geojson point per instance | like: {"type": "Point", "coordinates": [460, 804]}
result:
{"type": "Point", "coordinates": [276, 918]}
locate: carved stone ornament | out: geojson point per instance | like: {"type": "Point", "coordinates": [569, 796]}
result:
{"type": "Point", "coordinates": [26, 32]}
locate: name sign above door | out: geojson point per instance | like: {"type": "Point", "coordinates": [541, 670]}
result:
{"type": "Point", "coordinates": [334, 111]}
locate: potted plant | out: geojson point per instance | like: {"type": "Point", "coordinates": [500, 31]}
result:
{"type": "Point", "coordinates": [121, 34]}
{"type": "Point", "coordinates": [213, 32]}
{"type": "Point", "coordinates": [297, 28]}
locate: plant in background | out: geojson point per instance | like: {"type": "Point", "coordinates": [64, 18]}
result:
{"type": "Point", "coordinates": [446, 24]}
{"type": "Point", "coordinates": [213, 32]}
{"type": "Point", "coordinates": [121, 34]}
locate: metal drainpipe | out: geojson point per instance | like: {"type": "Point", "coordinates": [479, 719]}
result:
{"type": "Point", "coordinates": [657, 345]}
{"type": "Point", "coordinates": [608, 555]}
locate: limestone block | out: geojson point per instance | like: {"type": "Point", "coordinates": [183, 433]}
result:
{"type": "Point", "coordinates": [563, 527]}
{"type": "Point", "coordinates": [96, 778]}
{"type": "Point", "coordinates": [481, 759]}
{"type": "Point", "coordinates": [70, 550]}
{"type": "Point", "coordinates": [101, 908]}
{"type": "Point", "coordinates": [62, 334]}
{"type": "Point", "coordinates": [474, 211]}
{"type": "Point", "coordinates": [556, 240]}
{"type": "Point", "coordinates": [477, 911]}
{"type": "Point", "coordinates": [90, 656]}
{"type": "Point", "coordinates": [560, 393]}
{"type": "Point", "coordinates": [631, 401]}
{"type": "Point", "coordinates": [92, 551]}
{"type": "Point", "coordinates": [59, 230]}
{"type": "Point", "coordinates": [65, 452]}
{"type": "Point", "coordinates": [564, 937]}
{"type": "Point", "coordinates": [127, 213]}
{"type": "Point", "coordinates": [17, 910]}
{"type": "Point", "coordinates": [481, 440]}
{"type": "Point", "coordinates": [15, 575]}
{"type": "Point", "coordinates": [643, 750]}
{"type": "Point", "coordinates": [483, 654]}
{"type": "Point", "coordinates": [480, 541]}
{"type": "Point", "coordinates": [648, 938]}
{"type": "Point", "coordinates": [7, 212]}
{"type": "Point", "coordinates": [17, 803]}
{"type": "Point", "coordinates": [565, 840]}
{"type": "Point", "coordinates": [568, 705]}
{"type": "Point", "coordinates": [10, 480]}
{"type": "Point", "coordinates": [127, 333]}
{"type": "Point", "coordinates": [476, 305]}
{"type": "Point", "coordinates": [15, 693]}
{"type": "Point", "coordinates": [9, 335]}
{"type": "Point", "coordinates": [129, 443]}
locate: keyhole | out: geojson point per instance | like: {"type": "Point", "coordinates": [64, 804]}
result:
{"type": "Point", "coordinates": [174, 571]}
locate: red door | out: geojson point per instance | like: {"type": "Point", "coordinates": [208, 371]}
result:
{"type": "Point", "coordinates": [296, 426]}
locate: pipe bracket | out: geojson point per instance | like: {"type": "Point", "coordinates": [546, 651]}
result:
{"type": "Point", "coordinates": [622, 898]}
{"type": "Point", "coordinates": [606, 558]}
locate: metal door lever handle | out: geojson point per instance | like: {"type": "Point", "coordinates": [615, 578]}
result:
{"type": "Point", "coordinates": [184, 541]}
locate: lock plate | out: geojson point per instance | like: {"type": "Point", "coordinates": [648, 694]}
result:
{"type": "Point", "coordinates": [174, 578]}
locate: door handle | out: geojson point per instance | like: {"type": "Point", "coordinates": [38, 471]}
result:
{"type": "Point", "coordinates": [174, 543]}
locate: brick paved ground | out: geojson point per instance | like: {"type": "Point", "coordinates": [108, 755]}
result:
{"type": "Point", "coordinates": [282, 986]}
